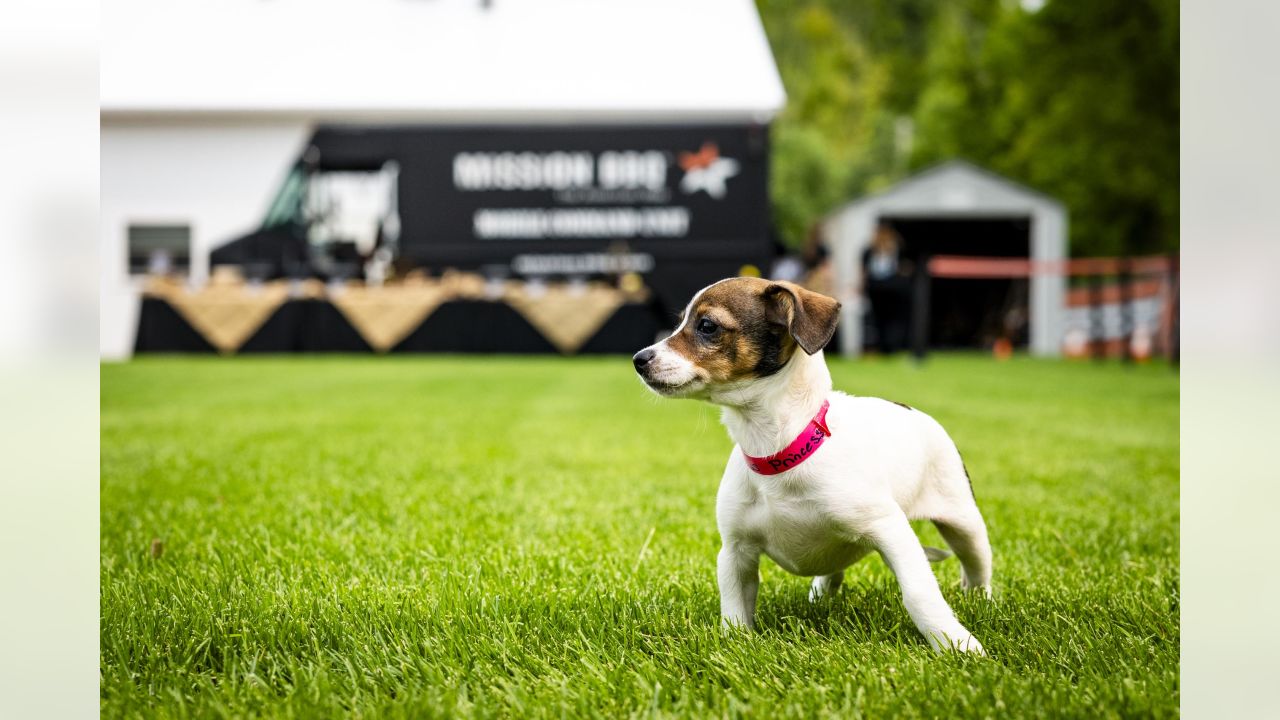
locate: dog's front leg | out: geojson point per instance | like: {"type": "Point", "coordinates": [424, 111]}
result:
{"type": "Point", "coordinates": [897, 542]}
{"type": "Point", "coordinates": [738, 570]}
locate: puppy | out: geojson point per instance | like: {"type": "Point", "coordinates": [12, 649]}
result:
{"type": "Point", "coordinates": [818, 478]}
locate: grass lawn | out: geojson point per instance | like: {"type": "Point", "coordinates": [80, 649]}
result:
{"type": "Point", "coordinates": [423, 537]}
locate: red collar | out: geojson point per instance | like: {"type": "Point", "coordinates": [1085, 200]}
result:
{"type": "Point", "coordinates": [800, 449]}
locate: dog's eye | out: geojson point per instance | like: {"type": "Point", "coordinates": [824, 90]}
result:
{"type": "Point", "coordinates": [707, 327]}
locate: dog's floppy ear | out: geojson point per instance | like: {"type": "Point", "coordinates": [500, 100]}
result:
{"type": "Point", "coordinates": [810, 317]}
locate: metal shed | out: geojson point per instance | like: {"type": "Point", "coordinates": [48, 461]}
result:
{"type": "Point", "coordinates": [955, 191]}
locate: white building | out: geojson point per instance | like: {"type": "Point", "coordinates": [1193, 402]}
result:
{"type": "Point", "coordinates": [207, 103]}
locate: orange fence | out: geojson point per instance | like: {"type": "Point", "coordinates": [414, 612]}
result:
{"type": "Point", "coordinates": [1093, 307]}
{"type": "Point", "coordinates": [960, 266]}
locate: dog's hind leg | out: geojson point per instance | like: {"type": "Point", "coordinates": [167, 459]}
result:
{"type": "Point", "coordinates": [898, 545]}
{"type": "Point", "coordinates": [966, 534]}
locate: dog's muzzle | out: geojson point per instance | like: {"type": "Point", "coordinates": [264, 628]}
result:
{"type": "Point", "coordinates": [665, 372]}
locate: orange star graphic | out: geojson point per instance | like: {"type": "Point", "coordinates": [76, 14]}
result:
{"type": "Point", "coordinates": [701, 159]}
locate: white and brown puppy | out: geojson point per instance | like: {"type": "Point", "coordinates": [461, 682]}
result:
{"type": "Point", "coordinates": [818, 478]}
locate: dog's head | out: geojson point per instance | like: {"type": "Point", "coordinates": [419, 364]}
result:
{"type": "Point", "coordinates": [736, 331]}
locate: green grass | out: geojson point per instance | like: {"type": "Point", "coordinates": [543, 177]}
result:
{"type": "Point", "coordinates": [423, 537]}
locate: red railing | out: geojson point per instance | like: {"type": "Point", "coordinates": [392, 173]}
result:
{"type": "Point", "coordinates": [963, 266]}
{"type": "Point", "coordinates": [1137, 278]}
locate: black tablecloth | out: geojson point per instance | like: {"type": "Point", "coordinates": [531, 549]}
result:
{"type": "Point", "coordinates": [458, 326]}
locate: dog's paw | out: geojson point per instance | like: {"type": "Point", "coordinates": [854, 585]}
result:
{"type": "Point", "coordinates": [969, 587]}
{"type": "Point", "coordinates": [733, 625]}
{"type": "Point", "coordinates": [825, 585]}
{"type": "Point", "coordinates": [970, 645]}
{"type": "Point", "coordinates": [957, 640]}
{"type": "Point", "coordinates": [818, 590]}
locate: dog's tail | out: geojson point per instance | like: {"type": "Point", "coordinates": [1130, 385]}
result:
{"type": "Point", "coordinates": [936, 554]}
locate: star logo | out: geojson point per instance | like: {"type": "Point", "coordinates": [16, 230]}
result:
{"type": "Point", "coordinates": [705, 170]}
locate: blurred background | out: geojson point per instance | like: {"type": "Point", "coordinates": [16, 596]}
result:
{"type": "Point", "coordinates": [560, 176]}
{"type": "Point", "coordinates": [1063, 99]}
{"type": "Point", "coordinates": [1077, 101]}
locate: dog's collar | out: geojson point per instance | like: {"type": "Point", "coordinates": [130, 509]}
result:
{"type": "Point", "coordinates": [800, 449]}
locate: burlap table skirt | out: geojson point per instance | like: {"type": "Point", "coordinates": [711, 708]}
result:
{"type": "Point", "coordinates": [227, 313]}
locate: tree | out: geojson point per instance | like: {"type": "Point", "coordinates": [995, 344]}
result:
{"type": "Point", "coordinates": [830, 139]}
{"type": "Point", "coordinates": [1078, 100]}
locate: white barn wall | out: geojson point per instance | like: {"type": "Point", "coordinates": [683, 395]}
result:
{"type": "Point", "coordinates": [217, 175]}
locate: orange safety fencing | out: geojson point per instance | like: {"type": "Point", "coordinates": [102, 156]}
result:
{"type": "Point", "coordinates": [1148, 278]}
{"type": "Point", "coordinates": [962, 266]}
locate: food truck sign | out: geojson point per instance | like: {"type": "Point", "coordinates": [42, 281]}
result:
{"type": "Point", "coordinates": [613, 181]}
{"type": "Point", "coordinates": [691, 197]}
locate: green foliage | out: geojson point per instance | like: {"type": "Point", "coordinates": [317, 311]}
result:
{"type": "Point", "coordinates": [1079, 100]}
{"type": "Point", "coordinates": [953, 113]}
{"type": "Point", "coordinates": [462, 537]}
{"type": "Point", "coordinates": [806, 181]}
{"type": "Point", "coordinates": [831, 138]}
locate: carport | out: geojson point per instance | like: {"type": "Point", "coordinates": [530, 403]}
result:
{"type": "Point", "coordinates": [959, 209]}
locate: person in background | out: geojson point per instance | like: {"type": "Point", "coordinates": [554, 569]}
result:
{"type": "Point", "coordinates": [817, 264]}
{"type": "Point", "coordinates": [887, 285]}
{"type": "Point", "coordinates": [819, 275]}
{"type": "Point", "coordinates": [786, 266]}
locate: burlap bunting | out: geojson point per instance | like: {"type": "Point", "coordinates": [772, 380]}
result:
{"type": "Point", "coordinates": [567, 318]}
{"type": "Point", "coordinates": [468, 286]}
{"type": "Point", "coordinates": [227, 312]}
{"type": "Point", "coordinates": [386, 315]}
{"type": "Point", "coordinates": [226, 315]}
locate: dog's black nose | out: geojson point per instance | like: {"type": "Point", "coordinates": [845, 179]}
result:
{"type": "Point", "coordinates": [642, 358]}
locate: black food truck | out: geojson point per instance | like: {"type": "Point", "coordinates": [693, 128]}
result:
{"type": "Point", "coordinates": [680, 206]}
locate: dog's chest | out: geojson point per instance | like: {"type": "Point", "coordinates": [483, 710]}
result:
{"type": "Point", "coordinates": [797, 532]}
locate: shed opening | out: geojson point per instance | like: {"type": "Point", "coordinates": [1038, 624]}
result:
{"type": "Point", "coordinates": [968, 313]}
